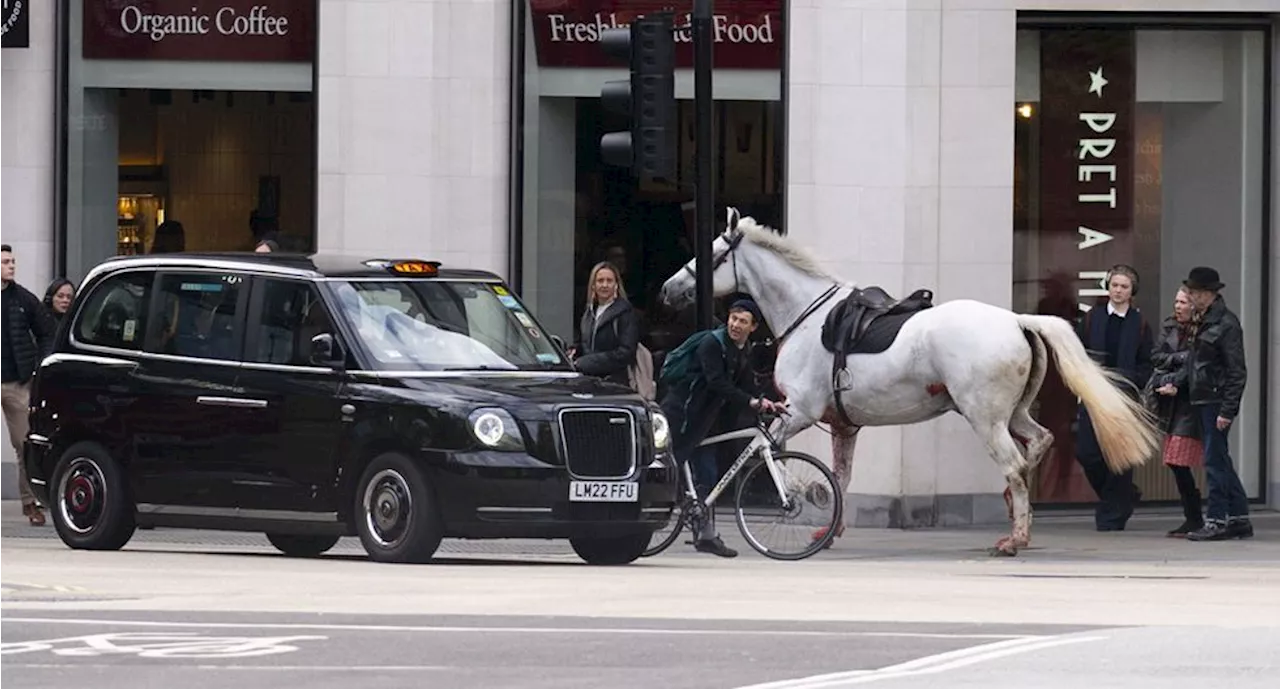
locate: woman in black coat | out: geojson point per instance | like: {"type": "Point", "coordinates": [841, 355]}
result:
{"type": "Point", "coordinates": [610, 329]}
{"type": "Point", "coordinates": [1168, 389]}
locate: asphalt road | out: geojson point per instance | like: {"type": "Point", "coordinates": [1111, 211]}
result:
{"type": "Point", "coordinates": [252, 651]}
{"type": "Point", "coordinates": [202, 650]}
{"type": "Point", "coordinates": [180, 608]}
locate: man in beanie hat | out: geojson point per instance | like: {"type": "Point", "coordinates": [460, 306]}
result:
{"type": "Point", "coordinates": [716, 388]}
{"type": "Point", "coordinates": [1216, 379]}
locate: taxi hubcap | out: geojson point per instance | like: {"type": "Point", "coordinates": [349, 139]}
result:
{"type": "Point", "coordinates": [388, 507]}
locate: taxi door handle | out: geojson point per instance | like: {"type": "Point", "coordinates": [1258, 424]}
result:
{"type": "Point", "coordinates": [242, 402]}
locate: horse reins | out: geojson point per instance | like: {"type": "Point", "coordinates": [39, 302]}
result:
{"type": "Point", "coordinates": [728, 254]}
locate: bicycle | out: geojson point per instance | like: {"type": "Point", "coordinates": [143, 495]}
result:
{"type": "Point", "coordinates": [780, 474]}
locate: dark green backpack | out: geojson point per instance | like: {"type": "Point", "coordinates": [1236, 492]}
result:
{"type": "Point", "coordinates": [675, 367]}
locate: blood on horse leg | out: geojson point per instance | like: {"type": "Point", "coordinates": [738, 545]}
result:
{"type": "Point", "coordinates": [843, 439]}
{"type": "Point", "coordinates": [1008, 493]}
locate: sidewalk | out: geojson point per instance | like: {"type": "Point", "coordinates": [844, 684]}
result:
{"type": "Point", "coordinates": [1056, 538]}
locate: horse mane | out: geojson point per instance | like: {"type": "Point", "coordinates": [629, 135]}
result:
{"type": "Point", "coordinates": [788, 251]}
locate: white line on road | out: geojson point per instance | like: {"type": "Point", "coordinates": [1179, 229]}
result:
{"type": "Point", "coordinates": [940, 662]}
{"type": "Point", "coordinates": [268, 668]}
{"type": "Point", "coordinates": [516, 630]}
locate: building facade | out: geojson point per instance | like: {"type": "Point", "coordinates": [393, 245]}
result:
{"type": "Point", "coordinates": [909, 143]}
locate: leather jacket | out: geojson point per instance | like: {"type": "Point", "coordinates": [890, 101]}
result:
{"type": "Point", "coordinates": [1216, 366]}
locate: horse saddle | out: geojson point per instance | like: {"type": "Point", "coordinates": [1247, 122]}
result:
{"type": "Point", "coordinates": [868, 321]}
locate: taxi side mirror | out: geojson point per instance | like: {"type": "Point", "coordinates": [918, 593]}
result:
{"type": "Point", "coordinates": [559, 342]}
{"type": "Point", "coordinates": [325, 352]}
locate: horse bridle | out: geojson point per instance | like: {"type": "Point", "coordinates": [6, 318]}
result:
{"type": "Point", "coordinates": [733, 241]}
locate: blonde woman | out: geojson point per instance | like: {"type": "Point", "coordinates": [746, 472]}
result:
{"type": "Point", "coordinates": [609, 331]}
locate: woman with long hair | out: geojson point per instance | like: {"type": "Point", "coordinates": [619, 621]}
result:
{"type": "Point", "coordinates": [1183, 447]}
{"type": "Point", "coordinates": [609, 331]}
{"type": "Point", "coordinates": [58, 298]}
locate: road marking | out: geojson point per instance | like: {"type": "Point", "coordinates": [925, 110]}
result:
{"type": "Point", "coordinates": [927, 665]}
{"type": "Point", "coordinates": [161, 645]}
{"type": "Point", "coordinates": [16, 586]}
{"type": "Point", "coordinates": [514, 630]}
{"type": "Point", "coordinates": [268, 668]}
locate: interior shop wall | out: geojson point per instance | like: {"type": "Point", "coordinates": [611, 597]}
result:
{"type": "Point", "coordinates": [214, 151]}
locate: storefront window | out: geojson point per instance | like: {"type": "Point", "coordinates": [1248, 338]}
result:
{"type": "Point", "coordinates": [575, 211]}
{"type": "Point", "coordinates": [1142, 147]}
{"type": "Point", "coordinates": [189, 131]}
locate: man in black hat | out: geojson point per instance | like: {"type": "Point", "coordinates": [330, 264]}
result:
{"type": "Point", "coordinates": [718, 385]}
{"type": "Point", "coordinates": [1216, 376]}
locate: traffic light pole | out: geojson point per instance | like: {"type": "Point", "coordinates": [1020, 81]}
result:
{"type": "Point", "coordinates": [704, 193]}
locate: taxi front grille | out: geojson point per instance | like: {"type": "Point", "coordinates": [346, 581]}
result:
{"type": "Point", "coordinates": [599, 443]}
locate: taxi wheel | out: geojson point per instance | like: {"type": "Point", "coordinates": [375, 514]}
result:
{"type": "Point", "coordinates": [90, 503]}
{"type": "Point", "coordinates": [620, 550]}
{"type": "Point", "coordinates": [396, 513]}
{"type": "Point", "coordinates": [299, 545]}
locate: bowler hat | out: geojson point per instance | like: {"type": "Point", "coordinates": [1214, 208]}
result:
{"type": "Point", "coordinates": [1202, 277]}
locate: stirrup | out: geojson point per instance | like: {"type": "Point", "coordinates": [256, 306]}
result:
{"type": "Point", "coordinates": [848, 378]}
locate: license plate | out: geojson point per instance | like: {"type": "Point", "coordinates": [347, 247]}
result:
{"type": "Point", "coordinates": [602, 491]}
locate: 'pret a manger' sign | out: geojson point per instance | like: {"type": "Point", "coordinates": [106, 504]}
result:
{"type": "Point", "coordinates": [240, 30]}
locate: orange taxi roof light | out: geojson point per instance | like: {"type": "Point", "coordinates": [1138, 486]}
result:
{"type": "Point", "coordinates": [407, 266]}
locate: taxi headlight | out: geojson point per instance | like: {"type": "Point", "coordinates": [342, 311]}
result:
{"type": "Point", "coordinates": [661, 431]}
{"type": "Point", "coordinates": [496, 429]}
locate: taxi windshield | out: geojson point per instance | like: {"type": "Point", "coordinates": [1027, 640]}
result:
{"type": "Point", "coordinates": [442, 325]}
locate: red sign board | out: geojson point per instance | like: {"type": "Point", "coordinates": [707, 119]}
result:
{"type": "Point", "coordinates": [239, 30]}
{"type": "Point", "coordinates": [749, 34]}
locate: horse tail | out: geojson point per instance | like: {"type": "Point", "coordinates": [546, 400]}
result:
{"type": "Point", "coordinates": [1039, 368]}
{"type": "Point", "coordinates": [1126, 431]}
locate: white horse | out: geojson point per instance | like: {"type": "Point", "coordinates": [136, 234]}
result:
{"type": "Point", "coordinates": [981, 361]}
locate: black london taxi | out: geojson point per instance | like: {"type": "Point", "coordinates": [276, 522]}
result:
{"type": "Point", "coordinates": [311, 397]}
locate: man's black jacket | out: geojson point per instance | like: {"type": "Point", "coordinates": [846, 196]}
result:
{"type": "Point", "coordinates": [1216, 368]}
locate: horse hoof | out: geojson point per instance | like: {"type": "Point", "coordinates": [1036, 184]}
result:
{"type": "Point", "coordinates": [1005, 547]}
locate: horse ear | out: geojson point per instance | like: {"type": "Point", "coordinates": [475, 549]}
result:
{"type": "Point", "coordinates": [733, 218]}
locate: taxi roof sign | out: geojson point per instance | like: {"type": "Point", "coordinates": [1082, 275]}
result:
{"type": "Point", "coordinates": [407, 266]}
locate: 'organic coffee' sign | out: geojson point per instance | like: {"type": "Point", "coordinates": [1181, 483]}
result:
{"type": "Point", "coordinates": [748, 34]}
{"type": "Point", "coordinates": [240, 30]}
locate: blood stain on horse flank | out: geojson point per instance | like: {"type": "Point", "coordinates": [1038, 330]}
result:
{"type": "Point", "coordinates": [935, 389]}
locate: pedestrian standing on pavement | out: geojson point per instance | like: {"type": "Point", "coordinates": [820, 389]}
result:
{"type": "Point", "coordinates": [1168, 390]}
{"type": "Point", "coordinates": [1119, 338]}
{"type": "Point", "coordinates": [609, 331]}
{"type": "Point", "coordinates": [27, 339]}
{"type": "Point", "coordinates": [1216, 379]}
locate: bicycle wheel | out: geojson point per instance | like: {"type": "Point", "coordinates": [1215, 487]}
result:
{"type": "Point", "coordinates": [816, 506]}
{"type": "Point", "coordinates": [664, 537]}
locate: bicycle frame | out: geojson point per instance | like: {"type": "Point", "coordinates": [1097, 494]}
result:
{"type": "Point", "coordinates": [761, 442]}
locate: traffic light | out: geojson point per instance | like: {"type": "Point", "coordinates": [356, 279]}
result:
{"type": "Point", "coordinates": [648, 98]}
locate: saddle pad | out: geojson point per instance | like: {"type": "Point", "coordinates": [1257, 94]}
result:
{"type": "Point", "coordinates": [881, 333]}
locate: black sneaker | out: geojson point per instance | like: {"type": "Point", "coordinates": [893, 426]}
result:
{"type": "Point", "coordinates": [715, 546]}
{"type": "Point", "coordinates": [1240, 528]}
{"type": "Point", "coordinates": [1187, 527]}
{"type": "Point", "coordinates": [1211, 531]}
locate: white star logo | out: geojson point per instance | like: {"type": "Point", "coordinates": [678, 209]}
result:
{"type": "Point", "coordinates": [1096, 82]}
